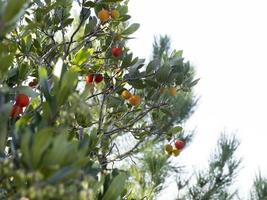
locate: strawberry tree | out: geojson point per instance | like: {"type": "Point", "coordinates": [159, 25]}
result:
{"type": "Point", "coordinates": [69, 88]}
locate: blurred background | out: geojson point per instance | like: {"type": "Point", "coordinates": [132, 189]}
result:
{"type": "Point", "coordinates": [226, 42]}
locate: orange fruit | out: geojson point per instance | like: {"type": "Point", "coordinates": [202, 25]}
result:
{"type": "Point", "coordinates": [126, 94]}
{"type": "Point", "coordinates": [115, 14]}
{"type": "Point", "coordinates": [103, 15]}
{"type": "Point", "coordinates": [176, 152]}
{"type": "Point", "coordinates": [135, 100]}
{"type": "Point", "coordinates": [172, 91]}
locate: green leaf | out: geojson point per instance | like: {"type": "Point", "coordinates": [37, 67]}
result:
{"type": "Point", "coordinates": [131, 29]}
{"type": "Point", "coordinates": [5, 63]}
{"type": "Point", "coordinates": [138, 84]}
{"type": "Point", "coordinates": [58, 152]}
{"type": "Point", "coordinates": [26, 90]}
{"type": "Point", "coordinates": [116, 187]}
{"type": "Point", "coordinates": [152, 66]}
{"type": "Point", "coordinates": [61, 174]}
{"type": "Point", "coordinates": [4, 115]}
{"type": "Point", "coordinates": [41, 141]}
{"type": "Point", "coordinates": [25, 148]}
{"type": "Point", "coordinates": [89, 4]}
{"type": "Point", "coordinates": [175, 129]}
{"type": "Point", "coordinates": [163, 73]}
{"type": "Point", "coordinates": [82, 55]}
{"type": "Point", "coordinates": [69, 82]}
{"type": "Point", "coordinates": [13, 10]}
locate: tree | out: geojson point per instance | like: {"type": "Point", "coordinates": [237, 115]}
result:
{"type": "Point", "coordinates": [155, 166]}
{"type": "Point", "coordinates": [216, 181]}
{"type": "Point", "coordinates": [69, 89]}
{"type": "Point", "coordinates": [259, 189]}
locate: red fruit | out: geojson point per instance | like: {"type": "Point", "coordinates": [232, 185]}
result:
{"type": "Point", "coordinates": [16, 110]}
{"type": "Point", "coordinates": [89, 78]}
{"type": "Point", "coordinates": [98, 78]}
{"type": "Point", "coordinates": [179, 144]}
{"type": "Point", "coordinates": [22, 100]}
{"type": "Point", "coordinates": [116, 51]}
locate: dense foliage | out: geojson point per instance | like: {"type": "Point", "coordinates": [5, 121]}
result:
{"type": "Point", "coordinates": [70, 88]}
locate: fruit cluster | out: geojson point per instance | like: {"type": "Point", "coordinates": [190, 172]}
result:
{"type": "Point", "coordinates": [175, 151]}
{"type": "Point", "coordinates": [91, 78]}
{"type": "Point", "coordinates": [22, 100]}
{"type": "Point", "coordinates": [134, 100]}
{"type": "Point", "coordinates": [104, 15]}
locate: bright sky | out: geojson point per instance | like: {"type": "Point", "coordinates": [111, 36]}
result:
{"type": "Point", "coordinates": [227, 42]}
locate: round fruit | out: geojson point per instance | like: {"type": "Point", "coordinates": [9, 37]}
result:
{"type": "Point", "coordinates": [126, 94]}
{"type": "Point", "coordinates": [176, 152]}
{"type": "Point", "coordinates": [179, 144]}
{"type": "Point", "coordinates": [135, 100]}
{"type": "Point", "coordinates": [162, 89]}
{"type": "Point", "coordinates": [103, 15]}
{"type": "Point", "coordinates": [98, 78]}
{"type": "Point", "coordinates": [16, 110]}
{"type": "Point", "coordinates": [89, 78]}
{"type": "Point", "coordinates": [22, 100]}
{"type": "Point", "coordinates": [116, 51]}
{"type": "Point", "coordinates": [115, 14]}
{"type": "Point", "coordinates": [168, 148]}
{"type": "Point", "coordinates": [172, 91]}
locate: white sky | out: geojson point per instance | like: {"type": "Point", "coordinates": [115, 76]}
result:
{"type": "Point", "coordinates": [227, 41]}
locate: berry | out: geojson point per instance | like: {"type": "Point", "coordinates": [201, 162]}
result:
{"type": "Point", "coordinates": [168, 148]}
{"type": "Point", "coordinates": [179, 144]}
{"type": "Point", "coordinates": [116, 51]}
{"type": "Point", "coordinates": [115, 14]}
{"type": "Point", "coordinates": [126, 94]}
{"type": "Point", "coordinates": [15, 111]}
{"type": "Point", "coordinates": [172, 91]}
{"type": "Point", "coordinates": [89, 78]}
{"type": "Point", "coordinates": [135, 100]}
{"type": "Point", "coordinates": [176, 152]}
{"type": "Point", "coordinates": [103, 15]}
{"type": "Point", "coordinates": [22, 100]}
{"type": "Point", "coordinates": [98, 78]}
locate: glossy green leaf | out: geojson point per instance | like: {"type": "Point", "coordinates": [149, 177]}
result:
{"type": "Point", "coordinates": [41, 141]}
{"type": "Point", "coordinates": [116, 187]}
{"type": "Point", "coordinates": [131, 29]}
{"type": "Point", "coordinates": [163, 73]}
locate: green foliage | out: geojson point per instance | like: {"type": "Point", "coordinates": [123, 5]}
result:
{"type": "Point", "coordinates": [61, 145]}
{"type": "Point", "coordinates": [215, 182]}
{"type": "Point", "coordinates": [259, 190]}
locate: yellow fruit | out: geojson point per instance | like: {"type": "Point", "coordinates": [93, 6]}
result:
{"type": "Point", "coordinates": [176, 152]}
{"type": "Point", "coordinates": [103, 15]}
{"type": "Point", "coordinates": [172, 91]}
{"type": "Point", "coordinates": [126, 94]}
{"type": "Point", "coordinates": [115, 14]}
{"type": "Point", "coordinates": [162, 89]}
{"type": "Point", "coordinates": [168, 148]}
{"type": "Point", "coordinates": [135, 100]}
